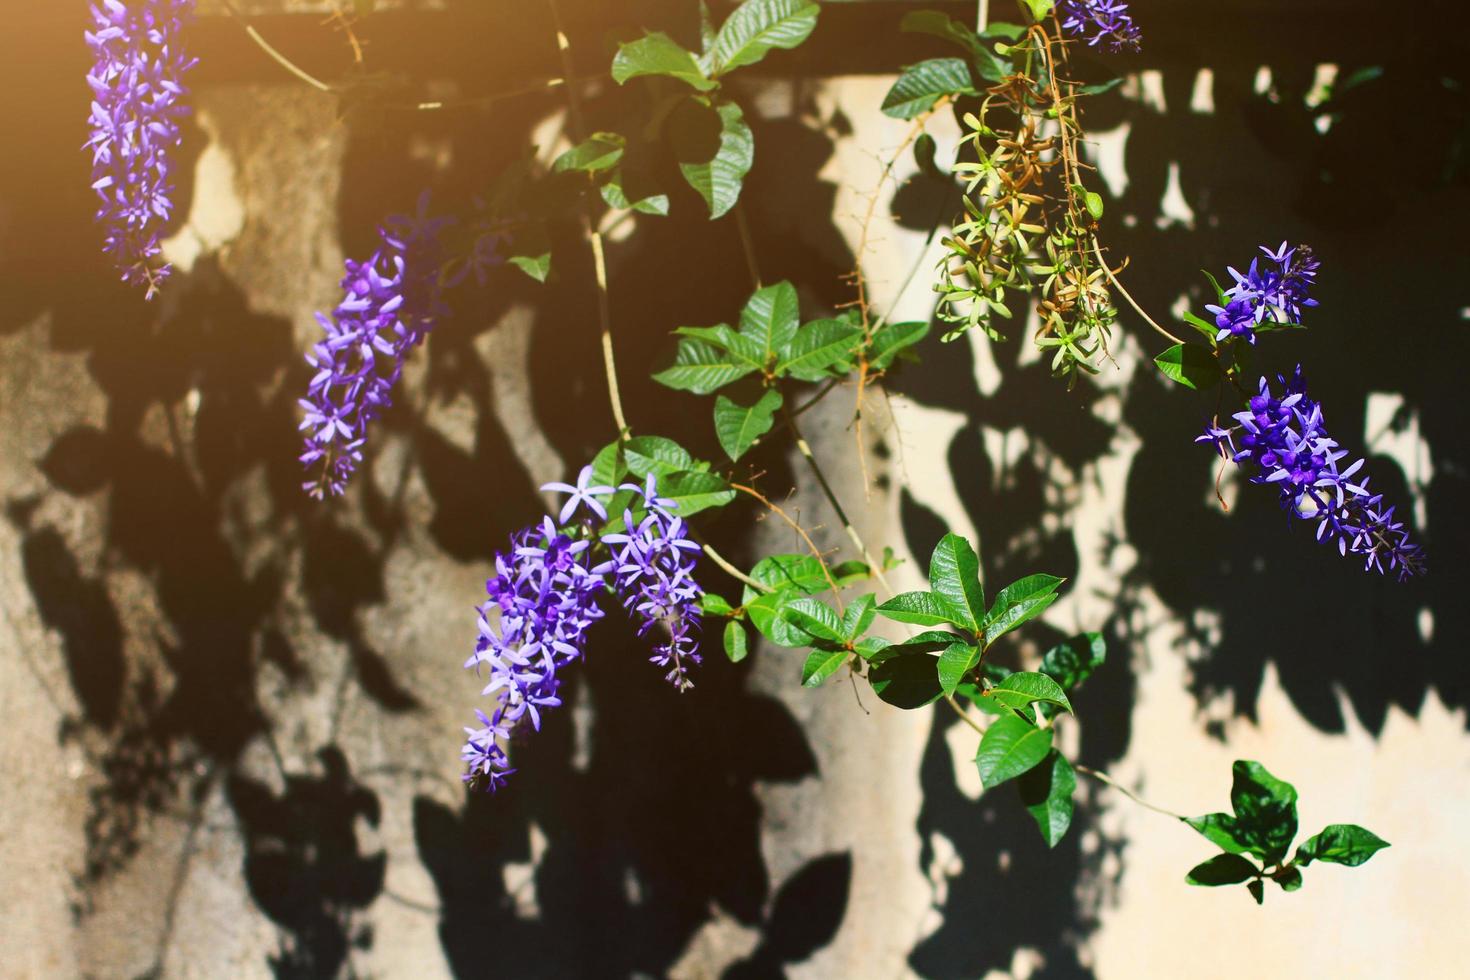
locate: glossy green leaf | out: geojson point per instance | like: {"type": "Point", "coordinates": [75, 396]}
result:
{"type": "Point", "coordinates": [1265, 808]}
{"type": "Point", "coordinates": [744, 349]}
{"type": "Point", "coordinates": [1039, 9]}
{"type": "Point", "coordinates": [657, 455]}
{"type": "Point", "coordinates": [701, 367]}
{"type": "Point", "coordinates": [598, 152]}
{"type": "Point", "coordinates": [954, 577]}
{"type": "Point", "coordinates": [1222, 869]}
{"type": "Point", "coordinates": [719, 178]}
{"type": "Point", "coordinates": [1341, 843]}
{"type": "Point", "coordinates": [822, 664]}
{"type": "Point", "coordinates": [919, 608]}
{"type": "Point", "coordinates": [714, 604]}
{"type": "Point", "coordinates": [1025, 687]}
{"type": "Point", "coordinates": [799, 573]}
{"type": "Point", "coordinates": [1046, 792]}
{"type": "Point", "coordinates": [991, 67]}
{"type": "Point", "coordinates": [737, 644]}
{"type": "Point", "coordinates": [770, 319]}
{"type": "Point", "coordinates": [871, 647]}
{"type": "Point", "coordinates": [858, 617]}
{"type": "Point", "coordinates": [1290, 879]}
{"type": "Point", "coordinates": [818, 348]}
{"type": "Point", "coordinates": [957, 660]}
{"type": "Point", "coordinates": [1257, 889]}
{"type": "Point", "coordinates": [609, 468]}
{"type": "Point", "coordinates": [658, 54]}
{"type": "Point", "coordinates": [892, 339]}
{"type": "Point", "coordinates": [1190, 365]}
{"type": "Point", "coordinates": [695, 492]}
{"type": "Point", "coordinates": [816, 618]}
{"type": "Point", "coordinates": [624, 191]}
{"type": "Point", "coordinates": [1010, 747]}
{"type": "Point", "coordinates": [757, 27]}
{"type": "Point", "coordinates": [920, 86]}
{"type": "Point", "coordinates": [905, 681]}
{"type": "Point", "coordinates": [1019, 602]}
{"type": "Point", "coordinates": [1071, 662]}
{"type": "Point", "coordinates": [739, 426]}
{"type": "Point", "coordinates": [1222, 830]}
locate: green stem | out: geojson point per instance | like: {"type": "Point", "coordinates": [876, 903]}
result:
{"type": "Point", "coordinates": [275, 55]}
{"type": "Point", "coordinates": [593, 236]}
{"type": "Point", "coordinates": [831, 495]}
{"type": "Point", "coordinates": [734, 572]}
{"type": "Point", "coordinates": [1097, 250]}
{"type": "Point", "coordinates": [1104, 778]}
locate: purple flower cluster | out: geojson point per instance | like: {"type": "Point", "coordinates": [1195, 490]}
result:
{"type": "Point", "coordinates": [655, 578]}
{"type": "Point", "coordinates": [1104, 23]}
{"type": "Point", "coordinates": [392, 301]}
{"type": "Point", "coordinates": [1278, 294]}
{"type": "Point", "coordinates": [137, 90]}
{"type": "Point", "coordinates": [1287, 440]}
{"type": "Point", "coordinates": [543, 599]}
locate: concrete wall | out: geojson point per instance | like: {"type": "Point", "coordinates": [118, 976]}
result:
{"type": "Point", "coordinates": [233, 713]}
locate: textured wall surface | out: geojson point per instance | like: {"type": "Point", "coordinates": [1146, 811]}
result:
{"type": "Point", "coordinates": [233, 713]}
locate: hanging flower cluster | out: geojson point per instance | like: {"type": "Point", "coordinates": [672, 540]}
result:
{"type": "Point", "coordinates": [543, 599]}
{"type": "Point", "coordinates": [1104, 23]}
{"type": "Point", "coordinates": [137, 93]}
{"type": "Point", "coordinates": [392, 301]}
{"type": "Point", "coordinates": [1278, 294]}
{"type": "Point", "coordinates": [1285, 437]}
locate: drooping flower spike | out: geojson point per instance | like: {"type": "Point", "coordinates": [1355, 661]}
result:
{"type": "Point", "coordinates": [392, 301]}
{"type": "Point", "coordinates": [137, 100]}
{"type": "Point", "coordinates": [1285, 438]}
{"type": "Point", "coordinates": [543, 599]}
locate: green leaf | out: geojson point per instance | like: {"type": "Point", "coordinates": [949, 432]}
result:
{"type": "Point", "coordinates": [869, 647]}
{"type": "Point", "coordinates": [815, 618]}
{"type": "Point", "coordinates": [1009, 747]}
{"type": "Point", "coordinates": [719, 177]}
{"type": "Point", "coordinates": [1222, 830]}
{"type": "Point", "coordinates": [1101, 88]}
{"type": "Point", "coordinates": [822, 664]}
{"type": "Point", "coordinates": [1290, 879]}
{"type": "Point", "coordinates": [1222, 869]}
{"type": "Point", "coordinates": [701, 367]}
{"type": "Point", "coordinates": [1189, 365]}
{"type": "Point", "coordinates": [608, 466]}
{"type": "Point", "coordinates": [1022, 688]}
{"type": "Point", "coordinates": [658, 54]}
{"type": "Point", "coordinates": [758, 26]}
{"type": "Point", "coordinates": [743, 348]}
{"type": "Point", "coordinates": [714, 604]}
{"type": "Point", "coordinates": [919, 608]}
{"type": "Point", "coordinates": [906, 681]}
{"type": "Point", "coordinates": [892, 339]}
{"type": "Point", "coordinates": [624, 190]}
{"type": "Point", "coordinates": [657, 455]}
{"type": "Point", "coordinates": [925, 149]}
{"type": "Point", "coordinates": [784, 573]}
{"type": "Point", "coordinates": [1094, 203]}
{"type": "Point", "coordinates": [694, 492]}
{"type": "Point", "coordinates": [1046, 792]}
{"type": "Point", "coordinates": [858, 617]}
{"type": "Point", "coordinates": [957, 660]}
{"type": "Point", "coordinates": [1039, 8]}
{"type": "Point", "coordinates": [739, 426]}
{"type": "Point", "coordinates": [1208, 329]}
{"type": "Point", "coordinates": [1219, 290]}
{"type": "Point", "coordinates": [1072, 661]}
{"type": "Point", "coordinates": [737, 644]}
{"type": "Point", "coordinates": [1265, 810]}
{"type": "Point", "coordinates": [1019, 602]}
{"type": "Point", "coordinates": [1257, 888]}
{"type": "Point", "coordinates": [538, 267]}
{"type": "Point", "coordinates": [933, 22]}
{"type": "Point", "coordinates": [600, 151]}
{"type": "Point", "coordinates": [817, 348]}
{"type": "Point", "coordinates": [954, 577]}
{"type": "Point", "coordinates": [922, 85]}
{"type": "Point", "coordinates": [770, 319]}
{"type": "Point", "coordinates": [1341, 843]}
